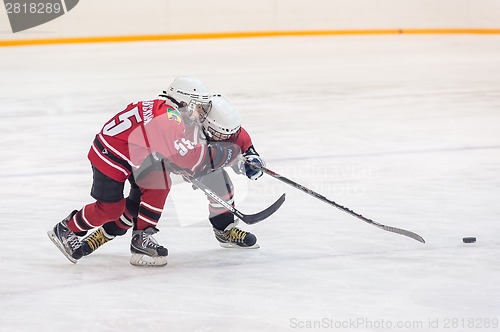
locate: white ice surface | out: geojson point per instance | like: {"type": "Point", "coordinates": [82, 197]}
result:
{"type": "Point", "coordinates": [402, 129]}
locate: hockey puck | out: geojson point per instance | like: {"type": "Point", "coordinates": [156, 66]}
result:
{"type": "Point", "coordinates": [469, 239]}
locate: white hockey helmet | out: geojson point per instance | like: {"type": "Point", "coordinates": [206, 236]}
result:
{"type": "Point", "coordinates": [188, 91]}
{"type": "Point", "coordinates": [186, 88]}
{"type": "Point", "coordinates": [222, 121]}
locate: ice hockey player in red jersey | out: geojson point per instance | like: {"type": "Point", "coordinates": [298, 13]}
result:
{"type": "Point", "coordinates": [190, 132]}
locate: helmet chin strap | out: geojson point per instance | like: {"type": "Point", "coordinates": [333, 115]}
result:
{"type": "Point", "coordinates": [164, 95]}
{"type": "Point", "coordinates": [180, 107]}
{"type": "Point", "coordinates": [207, 135]}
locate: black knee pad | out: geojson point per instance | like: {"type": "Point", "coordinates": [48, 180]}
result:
{"type": "Point", "coordinates": [135, 194]}
{"type": "Point", "coordinates": [106, 189]}
{"type": "Point", "coordinates": [132, 201]}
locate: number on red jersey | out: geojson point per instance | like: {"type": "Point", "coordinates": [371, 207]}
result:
{"type": "Point", "coordinates": [123, 123]}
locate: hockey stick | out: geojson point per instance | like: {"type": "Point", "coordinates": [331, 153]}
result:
{"type": "Point", "coordinates": [246, 218]}
{"type": "Point", "coordinates": [338, 206]}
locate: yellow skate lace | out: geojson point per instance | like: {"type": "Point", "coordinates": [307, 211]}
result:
{"type": "Point", "coordinates": [97, 239]}
{"type": "Point", "coordinates": [236, 235]}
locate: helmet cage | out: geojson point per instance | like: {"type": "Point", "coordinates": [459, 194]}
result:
{"type": "Point", "coordinates": [198, 110]}
{"type": "Point", "coordinates": [215, 135]}
{"type": "Point", "coordinates": [221, 121]}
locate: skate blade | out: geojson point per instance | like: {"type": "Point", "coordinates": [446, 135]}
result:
{"type": "Point", "coordinates": [228, 245]}
{"type": "Point", "coordinates": [52, 236]}
{"type": "Point", "coordinates": [144, 260]}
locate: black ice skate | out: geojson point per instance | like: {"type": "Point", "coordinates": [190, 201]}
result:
{"type": "Point", "coordinates": [95, 240]}
{"type": "Point", "coordinates": [65, 240]}
{"type": "Point", "coordinates": [145, 250]}
{"type": "Point", "coordinates": [233, 237]}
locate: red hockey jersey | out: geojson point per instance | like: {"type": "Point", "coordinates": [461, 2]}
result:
{"type": "Point", "coordinates": [150, 128]}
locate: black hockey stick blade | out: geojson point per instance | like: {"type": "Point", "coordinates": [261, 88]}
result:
{"type": "Point", "coordinates": [246, 218]}
{"type": "Point", "coordinates": [255, 218]}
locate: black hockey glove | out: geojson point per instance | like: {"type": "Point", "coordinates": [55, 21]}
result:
{"type": "Point", "coordinates": [219, 155]}
{"type": "Point", "coordinates": [253, 173]}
